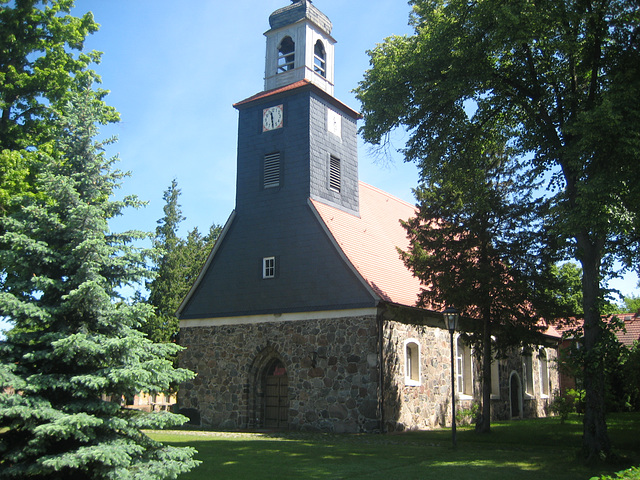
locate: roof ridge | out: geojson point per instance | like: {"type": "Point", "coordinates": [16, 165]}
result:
{"type": "Point", "coordinates": [387, 194]}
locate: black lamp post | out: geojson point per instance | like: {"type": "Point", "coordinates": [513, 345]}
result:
{"type": "Point", "coordinates": [451, 316]}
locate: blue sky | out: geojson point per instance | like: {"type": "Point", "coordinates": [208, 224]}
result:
{"type": "Point", "coordinates": [174, 73]}
{"type": "Point", "coordinates": [175, 69]}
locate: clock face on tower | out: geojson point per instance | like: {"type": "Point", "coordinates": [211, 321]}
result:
{"type": "Point", "coordinates": [272, 118]}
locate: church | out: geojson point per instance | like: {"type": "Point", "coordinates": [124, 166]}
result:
{"type": "Point", "coordinates": [304, 315]}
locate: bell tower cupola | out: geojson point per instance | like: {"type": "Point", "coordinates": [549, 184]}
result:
{"type": "Point", "coordinates": [299, 47]}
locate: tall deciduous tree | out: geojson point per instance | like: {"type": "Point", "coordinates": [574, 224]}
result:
{"type": "Point", "coordinates": [41, 62]}
{"type": "Point", "coordinates": [558, 79]}
{"type": "Point", "coordinates": [178, 264]}
{"type": "Point", "coordinates": [74, 350]}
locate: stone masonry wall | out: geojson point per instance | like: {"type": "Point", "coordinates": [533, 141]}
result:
{"type": "Point", "coordinates": [331, 366]}
{"type": "Point", "coordinates": [428, 405]}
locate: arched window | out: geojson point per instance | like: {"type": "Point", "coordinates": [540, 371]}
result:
{"type": "Point", "coordinates": [464, 376]}
{"type": "Point", "coordinates": [495, 377]}
{"type": "Point", "coordinates": [411, 362]}
{"type": "Point", "coordinates": [544, 372]}
{"type": "Point", "coordinates": [286, 55]}
{"type": "Point", "coordinates": [320, 59]}
{"type": "Point", "coordinates": [527, 370]}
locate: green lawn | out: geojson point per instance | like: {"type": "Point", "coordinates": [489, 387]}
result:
{"type": "Point", "coordinates": [539, 449]}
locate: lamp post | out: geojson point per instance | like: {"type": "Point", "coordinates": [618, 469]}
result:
{"type": "Point", "coordinates": [451, 316]}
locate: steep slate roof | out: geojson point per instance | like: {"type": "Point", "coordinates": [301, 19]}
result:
{"type": "Point", "coordinates": [370, 242]}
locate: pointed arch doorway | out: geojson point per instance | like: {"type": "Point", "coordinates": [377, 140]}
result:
{"type": "Point", "coordinates": [276, 395]}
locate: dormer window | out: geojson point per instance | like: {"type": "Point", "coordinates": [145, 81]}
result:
{"type": "Point", "coordinates": [320, 59]}
{"type": "Point", "coordinates": [286, 55]}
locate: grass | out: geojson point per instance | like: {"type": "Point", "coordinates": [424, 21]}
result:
{"type": "Point", "coordinates": [529, 449]}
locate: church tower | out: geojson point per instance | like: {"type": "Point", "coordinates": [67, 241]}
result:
{"type": "Point", "coordinates": [297, 144]}
{"type": "Point", "coordinates": [299, 46]}
{"type": "Point", "coordinates": [295, 139]}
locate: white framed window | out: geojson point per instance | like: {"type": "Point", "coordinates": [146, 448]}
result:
{"type": "Point", "coordinates": [272, 170]}
{"type": "Point", "coordinates": [286, 55]}
{"type": "Point", "coordinates": [543, 365]}
{"type": "Point", "coordinates": [334, 174]}
{"type": "Point", "coordinates": [495, 377]}
{"type": "Point", "coordinates": [319, 59]}
{"type": "Point", "coordinates": [527, 370]}
{"type": "Point", "coordinates": [464, 371]}
{"type": "Point", "coordinates": [412, 368]}
{"type": "Point", "coordinates": [269, 267]}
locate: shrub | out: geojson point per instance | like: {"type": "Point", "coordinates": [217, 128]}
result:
{"type": "Point", "coordinates": [562, 406]}
{"type": "Point", "coordinates": [632, 473]}
{"type": "Point", "coordinates": [468, 416]}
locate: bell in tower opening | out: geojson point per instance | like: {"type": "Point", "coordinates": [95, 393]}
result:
{"type": "Point", "coordinates": [299, 47]}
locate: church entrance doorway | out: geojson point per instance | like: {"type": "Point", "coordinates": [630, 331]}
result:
{"type": "Point", "coordinates": [276, 396]}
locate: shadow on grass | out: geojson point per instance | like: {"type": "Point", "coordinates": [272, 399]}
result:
{"type": "Point", "coordinates": [542, 449]}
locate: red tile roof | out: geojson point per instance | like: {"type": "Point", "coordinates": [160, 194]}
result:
{"type": "Point", "coordinates": [627, 337]}
{"type": "Point", "coordinates": [370, 242]}
{"type": "Point", "coordinates": [275, 91]}
{"type": "Point", "coordinates": [632, 327]}
{"type": "Point", "coordinates": [299, 85]}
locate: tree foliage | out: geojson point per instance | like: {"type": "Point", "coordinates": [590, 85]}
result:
{"type": "Point", "coordinates": [178, 265]}
{"type": "Point", "coordinates": [559, 82]}
{"type": "Point", "coordinates": [631, 304]}
{"type": "Point", "coordinates": [41, 63]}
{"type": "Point", "coordinates": [74, 345]}
{"type": "Point", "coordinates": [470, 246]}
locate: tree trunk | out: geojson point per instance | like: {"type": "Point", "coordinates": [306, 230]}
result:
{"type": "Point", "coordinates": [595, 440]}
{"type": "Point", "coordinates": [483, 424]}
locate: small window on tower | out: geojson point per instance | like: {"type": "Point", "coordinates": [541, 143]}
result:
{"type": "Point", "coordinates": [286, 55]}
{"type": "Point", "coordinates": [269, 267]}
{"type": "Point", "coordinates": [272, 170]}
{"type": "Point", "coordinates": [334, 174]}
{"type": "Point", "coordinates": [320, 59]}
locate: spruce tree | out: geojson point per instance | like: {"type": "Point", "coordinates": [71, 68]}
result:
{"type": "Point", "coordinates": [74, 352]}
{"type": "Point", "coordinates": [471, 248]}
{"type": "Point", "coordinates": [178, 265]}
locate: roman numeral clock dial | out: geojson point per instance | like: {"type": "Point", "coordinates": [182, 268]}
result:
{"type": "Point", "coordinates": [272, 118]}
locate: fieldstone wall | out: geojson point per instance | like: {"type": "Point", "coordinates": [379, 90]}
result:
{"type": "Point", "coordinates": [535, 403]}
{"type": "Point", "coordinates": [333, 376]}
{"type": "Point", "coordinates": [428, 405]}
{"type": "Point", "coordinates": [331, 367]}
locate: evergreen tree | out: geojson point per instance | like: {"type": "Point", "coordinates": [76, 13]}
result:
{"type": "Point", "coordinates": [470, 246]}
{"type": "Point", "coordinates": [74, 350]}
{"type": "Point", "coordinates": [177, 266]}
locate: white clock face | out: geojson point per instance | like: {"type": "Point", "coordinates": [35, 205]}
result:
{"type": "Point", "coordinates": [334, 122]}
{"type": "Point", "coordinates": [272, 118]}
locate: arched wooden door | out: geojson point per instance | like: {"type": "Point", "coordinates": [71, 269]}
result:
{"type": "Point", "coordinates": [276, 396]}
{"type": "Point", "coordinates": [515, 395]}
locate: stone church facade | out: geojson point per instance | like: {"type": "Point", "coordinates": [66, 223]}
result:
{"type": "Point", "coordinates": [303, 317]}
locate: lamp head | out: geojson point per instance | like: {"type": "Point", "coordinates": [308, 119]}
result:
{"type": "Point", "coordinates": [451, 316]}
